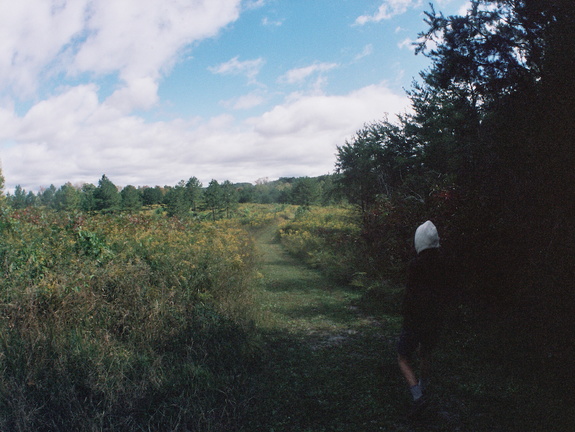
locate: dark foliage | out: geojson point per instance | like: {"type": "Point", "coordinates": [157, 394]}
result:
{"type": "Point", "coordinates": [490, 159]}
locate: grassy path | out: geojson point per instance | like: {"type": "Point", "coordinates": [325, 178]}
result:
{"type": "Point", "coordinates": [327, 367]}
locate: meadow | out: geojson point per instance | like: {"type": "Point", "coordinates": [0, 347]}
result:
{"type": "Point", "coordinates": [270, 320]}
{"type": "Point", "coordinates": [327, 239]}
{"type": "Point", "coordinates": [124, 322]}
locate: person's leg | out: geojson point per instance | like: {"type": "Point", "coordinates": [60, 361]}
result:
{"type": "Point", "coordinates": [407, 370]}
{"type": "Point", "coordinates": [406, 349]}
{"type": "Point", "coordinates": [415, 387]}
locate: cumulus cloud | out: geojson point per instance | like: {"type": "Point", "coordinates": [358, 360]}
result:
{"type": "Point", "coordinates": [141, 93]}
{"type": "Point", "coordinates": [387, 10]}
{"type": "Point", "coordinates": [76, 130]}
{"type": "Point", "coordinates": [142, 37]}
{"type": "Point", "coordinates": [31, 41]}
{"type": "Point", "coordinates": [318, 113]}
{"type": "Point", "coordinates": [135, 39]}
{"type": "Point", "coordinates": [72, 136]}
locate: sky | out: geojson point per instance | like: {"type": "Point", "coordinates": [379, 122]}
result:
{"type": "Point", "coordinates": [151, 92]}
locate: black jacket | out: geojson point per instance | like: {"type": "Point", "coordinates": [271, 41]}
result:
{"type": "Point", "coordinates": [427, 292]}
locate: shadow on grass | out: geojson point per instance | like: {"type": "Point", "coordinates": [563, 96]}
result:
{"type": "Point", "coordinates": [330, 312]}
{"type": "Point", "coordinates": [351, 382]}
{"type": "Point", "coordinates": [297, 284]}
{"type": "Point", "coordinates": [321, 383]}
{"type": "Point", "coordinates": [325, 367]}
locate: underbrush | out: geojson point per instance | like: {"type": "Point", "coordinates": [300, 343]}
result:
{"type": "Point", "coordinates": [326, 238]}
{"type": "Point", "coordinates": [123, 322]}
{"type": "Point", "coordinates": [261, 215]}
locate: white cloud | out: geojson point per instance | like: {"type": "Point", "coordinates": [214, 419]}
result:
{"type": "Point", "coordinates": [74, 137]}
{"type": "Point", "coordinates": [76, 130]}
{"type": "Point", "coordinates": [141, 38]}
{"type": "Point", "coordinates": [298, 75]}
{"type": "Point", "coordinates": [249, 68]}
{"type": "Point", "coordinates": [318, 113]}
{"type": "Point", "coordinates": [267, 22]}
{"type": "Point", "coordinates": [464, 8]}
{"type": "Point", "coordinates": [32, 34]}
{"type": "Point", "coordinates": [388, 9]}
{"type": "Point", "coordinates": [139, 93]}
{"type": "Point", "coordinates": [367, 51]}
{"type": "Point", "coordinates": [135, 39]}
{"type": "Point", "coordinates": [407, 43]}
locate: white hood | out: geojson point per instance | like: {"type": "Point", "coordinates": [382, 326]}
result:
{"type": "Point", "coordinates": [426, 237]}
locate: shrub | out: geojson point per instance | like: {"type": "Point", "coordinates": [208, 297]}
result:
{"type": "Point", "coordinates": [123, 322]}
{"type": "Point", "coordinates": [325, 238]}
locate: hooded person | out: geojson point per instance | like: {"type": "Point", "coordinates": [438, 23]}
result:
{"type": "Point", "coordinates": [423, 311]}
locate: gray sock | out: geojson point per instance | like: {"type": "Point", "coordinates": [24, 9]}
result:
{"type": "Point", "coordinates": [416, 392]}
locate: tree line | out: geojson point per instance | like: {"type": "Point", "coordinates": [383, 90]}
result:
{"type": "Point", "coordinates": [488, 154]}
{"type": "Point", "coordinates": [183, 199]}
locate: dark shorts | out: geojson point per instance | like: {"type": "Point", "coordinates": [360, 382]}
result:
{"type": "Point", "coordinates": [412, 339]}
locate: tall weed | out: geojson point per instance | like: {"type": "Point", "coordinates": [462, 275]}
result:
{"type": "Point", "coordinates": [123, 322]}
{"type": "Point", "coordinates": [326, 238]}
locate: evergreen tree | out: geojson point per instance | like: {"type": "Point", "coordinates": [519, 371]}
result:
{"type": "Point", "coordinates": [47, 196]}
{"type": "Point", "coordinates": [31, 200]}
{"type": "Point", "coordinates": [213, 196]}
{"type": "Point", "coordinates": [106, 195]}
{"type": "Point", "coordinates": [193, 192]}
{"type": "Point", "coordinates": [2, 197]}
{"type": "Point", "coordinates": [246, 193]}
{"type": "Point", "coordinates": [87, 197]}
{"type": "Point", "coordinates": [375, 164]}
{"type": "Point", "coordinates": [131, 198]}
{"type": "Point", "coordinates": [230, 197]}
{"type": "Point", "coordinates": [152, 196]}
{"type": "Point", "coordinates": [176, 200]}
{"type": "Point", "coordinates": [18, 200]}
{"type": "Point", "coordinates": [67, 198]}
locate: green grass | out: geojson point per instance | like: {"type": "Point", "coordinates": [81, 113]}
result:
{"type": "Point", "coordinates": [134, 322]}
{"type": "Point", "coordinates": [323, 357]}
{"type": "Point", "coordinates": [298, 299]}
{"type": "Point", "coordinates": [329, 364]}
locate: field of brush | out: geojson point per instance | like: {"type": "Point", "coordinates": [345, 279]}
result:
{"type": "Point", "coordinates": [124, 322]}
{"type": "Point", "coordinates": [265, 321]}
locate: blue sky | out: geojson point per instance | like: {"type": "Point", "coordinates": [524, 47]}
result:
{"type": "Point", "coordinates": [150, 92]}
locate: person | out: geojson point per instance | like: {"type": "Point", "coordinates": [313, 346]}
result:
{"type": "Point", "coordinates": [423, 312]}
